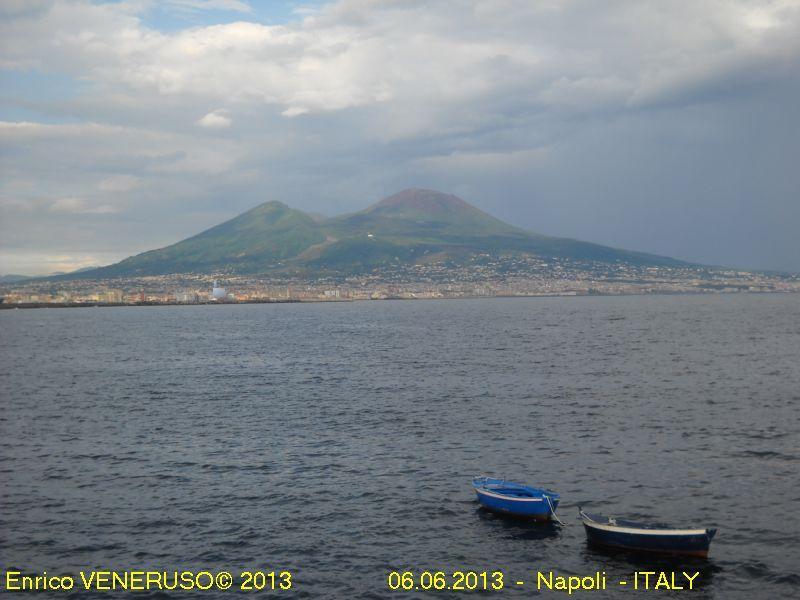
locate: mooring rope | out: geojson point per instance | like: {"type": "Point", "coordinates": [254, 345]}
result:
{"type": "Point", "coordinates": [553, 511]}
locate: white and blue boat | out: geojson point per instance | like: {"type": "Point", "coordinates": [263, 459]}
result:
{"type": "Point", "coordinates": [644, 537]}
{"type": "Point", "coordinates": [511, 498]}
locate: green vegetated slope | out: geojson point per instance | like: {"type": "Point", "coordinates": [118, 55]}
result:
{"type": "Point", "coordinates": [263, 236]}
{"type": "Point", "coordinates": [411, 226]}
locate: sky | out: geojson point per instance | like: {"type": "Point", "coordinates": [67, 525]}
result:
{"type": "Point", "coordinates": [670, 127]}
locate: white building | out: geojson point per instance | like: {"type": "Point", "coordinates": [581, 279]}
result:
{"type": "Point", "coordinates": [218, 293]}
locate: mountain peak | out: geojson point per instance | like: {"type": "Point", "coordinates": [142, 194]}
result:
{"type": "Point", "coordinates": [445, 213]}
{"type": "Point", "coordinates": [419, 199]}
{"type": "Point", "coordinates": [270, 206]}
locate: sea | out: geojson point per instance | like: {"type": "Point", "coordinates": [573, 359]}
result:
{"type": "Point", "coordinates": [337, 441]}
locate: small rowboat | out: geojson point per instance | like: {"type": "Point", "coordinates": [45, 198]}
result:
{"type": "Point", "coordinates": [516, 499]}
{"type": "Point", "coordinates": [643, 537]}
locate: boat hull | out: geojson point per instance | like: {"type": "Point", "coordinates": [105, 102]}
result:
{"type": "Point", "coordinates": [534, 506]}
{"type": "Point", "coordinates": [671, 542]}
{"type": "Point", "coordinates": [536, 510]}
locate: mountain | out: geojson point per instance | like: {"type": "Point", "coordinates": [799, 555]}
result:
{"type": "Point", "coordinates": [422, 215]}
{"type": "Point", "coordinates": [412, 226]}
{"type": "Point", "coordinates": [13, 278]}
{"type": "Point", "coordinates": [255, 240]}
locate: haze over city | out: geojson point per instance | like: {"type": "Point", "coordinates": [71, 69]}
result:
{"type": "Point", "coordinates": [668, 128]}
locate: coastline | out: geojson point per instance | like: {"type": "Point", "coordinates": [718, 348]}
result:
{"type": "Point", "coordinates": [35, 305]}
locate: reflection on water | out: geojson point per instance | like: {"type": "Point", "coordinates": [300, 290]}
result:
{"type": "Point", "coordinates": [519, 528]}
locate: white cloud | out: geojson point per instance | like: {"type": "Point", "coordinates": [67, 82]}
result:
{"type": "Point", "coordinates": [217, 119]}
{"type": "Point", "coordinates": [20, 7]}
{"type": "Point", "coordinates": [44, 263]}
{"type": "Point", "coordinates": [64, 263]}
{"type": "Point", "coordinates": [294, 111]}
{"type": "Point", "coordinates": [387, 93]}
{"type": "Point", "coordinates": [80, 206]}
{"type": "Point", "coordinates": [233, 5]}
{"type": "Point", "coordinates": [359, 53]}
{"type": "Point", "coordinates": [118, 183]}
{"type": "Point", "coordinates": [19, 130]}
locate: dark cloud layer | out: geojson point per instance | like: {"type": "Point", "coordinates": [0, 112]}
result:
{"type": "Point", "coordinates": [664, 127]}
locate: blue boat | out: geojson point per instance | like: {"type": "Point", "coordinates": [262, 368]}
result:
{"type": "Point", "coordinates": [511, 498]}
{"type": "Point", "coordinates": [643, 537]}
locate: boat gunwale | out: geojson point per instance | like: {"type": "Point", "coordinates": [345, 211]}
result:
{"type": "Point", "coordinates": [481, 486]}
{"type": "Point", "coordinates": [590, 522]}
{"type": "Point", "coordinates": [486, 492]}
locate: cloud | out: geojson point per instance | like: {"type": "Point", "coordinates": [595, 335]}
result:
{"type": "Point", "coordinates": [232, 5]}
{"type": "Point", "coordinates": [64, 263]}
{"type": "Point", "coordinates": [25, 130]}
{"type": "Point", "coordinates": [217, 119]}
{"type": "Point", "coordinates": [23, 7]}
{"type": "Point", "coordinates": [538, 111]}
{"type": "Point", "coordinates": [51, 149]}
{"type": "Point", "coordinates": [80, 206]}
{"type": "Point", "coordinates": [294, 111]}
{"type": "Point", "coordinates": [118, 183]}
{"type": "Point", "coordinates": [462, 163]}
{"type": "Point", "coordinates": [44, 263]}
{"type": "Point", "coordinates": [362, 53]}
